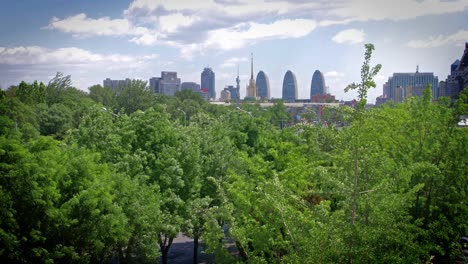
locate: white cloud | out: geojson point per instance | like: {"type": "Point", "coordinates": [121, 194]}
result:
{"type": "Point", "coordinates": [441, 40]}
{"type": "Point", "coordinates": [364, 10]}
{"type": "Point", "coordinates": [349, 36]}
{"type": "Point", "coordinates": [171, 23]}
{"type": "Point", "coordinates": [245, 34]}
{"type": "Point", "coordinates": [35, 55]}
{"type": "Point", "coordinates": [333, 74]}
{"type": "Point", "coordinates": [232, 62]}
{"type": "Point", "coordinates": [80, 25]}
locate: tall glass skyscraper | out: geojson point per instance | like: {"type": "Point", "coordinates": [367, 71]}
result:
{"type": "Point", "coordinates": [289, 87]}
{"type": "Point", "coordinates": [208, 82]}
{"type": "Point", "coordinates": [263, 86]}
{"type": "Point", "coordinates": [317, 85]}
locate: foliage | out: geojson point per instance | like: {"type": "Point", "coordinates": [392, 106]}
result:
{"type": "Point", "coordinates": [79, 184]}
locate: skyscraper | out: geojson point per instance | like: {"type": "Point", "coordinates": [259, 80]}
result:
{"type": "Point", "coordinates": [251, 87]}
{"type": "Point", "coordinates": [234, 92]}
{"type": "Point", "coordinates": [115, 85]}
{"type": "Point", "coordinates": [458, 78]}
{"type": "Point", "coordinates": [289, 87]}
{"type": "Point", "coordinates": [208, 82]}
{"type": "Point", "coordinates": [263, 86]}
{"type": "Point", "coordinates": [167, 84]}
{"type": "Point", "coordinates": [416, 80]}
{"type": "Point", "coordinates": [190, 86]}
{"type": "Point", "coordinates": [317, 85]}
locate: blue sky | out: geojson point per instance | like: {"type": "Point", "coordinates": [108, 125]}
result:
{"type": "Point", "coordinates": [93, 40]}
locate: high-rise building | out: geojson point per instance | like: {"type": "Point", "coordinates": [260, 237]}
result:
{"type": "Point", "coordinates": [458, 78]}
{"type": "Point", "coordinates": [233, 91]}
{"type": "Point", "coordinates": [116, 85]}
{"type": "Point", "coordinates": [225, 95]}
{"type": "Point", "coordinates": [289, 87]}
{"type": "Point", "coordinates": [417, 80]}
{"type": "Point", "coordinates": [208, 82]}
{"type": "Point", "coordinates": [317, 85]}
{"type": "Point", "coordinates": [263, 86]}
{"type": "Point", "coordinates": [251, 87]}
{"type": "Point", "coordinates": [190, 86]}
{"type": "Point", "coordinates": [167, 84]}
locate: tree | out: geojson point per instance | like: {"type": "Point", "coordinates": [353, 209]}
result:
{"type": "Point", "coordinates": [134, 96]}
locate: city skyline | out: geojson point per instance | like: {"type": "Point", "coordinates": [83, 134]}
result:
{"type": "Point", "coordinates": [140, 39]}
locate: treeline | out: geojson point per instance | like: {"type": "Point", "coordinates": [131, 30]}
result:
{"type": "Point", "coordinates": [106, 177]}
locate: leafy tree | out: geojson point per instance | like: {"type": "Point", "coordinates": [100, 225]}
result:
{"type": "Point", "coordinates": [104, 95]}
{"type": "Point", "coordinates": [135, 96]}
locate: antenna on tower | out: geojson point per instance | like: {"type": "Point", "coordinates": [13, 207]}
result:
{"type": "Point", "coordinates": [251, 71]}
{"type": "Point", "coordinates": [417, 68]}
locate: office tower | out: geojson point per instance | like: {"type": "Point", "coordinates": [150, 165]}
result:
{"type": "Point", "coordinates": [289, 87]}
{"type": "Point", "coordinates": [251, 87]}
{"type": "Point", "coordinates": [190, 86]}
{"type": "Point", "coordinates": [208, 82]}
{"type": "Point", "coordinates": [458, 78]}
{"type": "Point", "coordinates": [417, 80]}
{"type": "Point", "coordinates": [234, 92]}
{"type": "Point", "coordinates": [116, 85]}
{"type": "Point", "coordinates": [225, 95]}
{"type": "Point", "coordinates": [263, 86]}
{"type": "Point", "coordinates": [154, 84]}
{"type": "Point", "coordinates": [317, 85]}
{"type": "Point", "coordinates": [167, 84]}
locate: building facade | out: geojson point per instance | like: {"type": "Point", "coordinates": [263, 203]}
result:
{"type": "Point", "coordinates": [263, 86]}
{"type": "Point", "coordinates": [458, 78]}
{"type": "Point", "coordinates": [289, 87]}
{"type": "Point", "coordinates": [317, 85]}
{"type": "Point", "coordinates": [415, 81]}
{"type": "Point", "coordinates": [208, 82]}
{"type": "Point", "coordinates": [167, 84]}
{"type": "Point", "coordinates": [234, 92]}
{"type": "Point", "coordinates": [116, 85]}
{"type": "Point", "coordinates": [195, 87]}
{"type": "Point", "coordinates": [225, 95]}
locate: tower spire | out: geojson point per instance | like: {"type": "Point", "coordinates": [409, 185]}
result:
{"type": "Point", "coordinates": [417, 68]}
{"type": "Point", "coordinates": [251, 67]}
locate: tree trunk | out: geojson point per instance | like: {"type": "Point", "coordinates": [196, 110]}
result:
{"type": "Point", "coordinates": [195, 249]}
{"type": "Point", "coordinates": [165, 245]}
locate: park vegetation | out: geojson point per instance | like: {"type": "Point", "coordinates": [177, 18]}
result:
{"type": "Point", "coordinates": [116, 175]}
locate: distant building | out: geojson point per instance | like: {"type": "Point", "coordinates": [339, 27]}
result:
{"type": "Point", "coordinates": [399, 94]}
{"type": "Point", "coordinates": [225, 95]}
{"type": "Point", "coordinates": [116, 85]}
{"type": "Point", "coordinates": [195, 87]}
{"type": "Point", "coordinates": [381, 100]}
{"type": "Point", "coordinates": [233, 91]}
{"type": "Point", "coordinates": [263, 86]}
{"type": "Point", "coordinates": [443, 89]}
{"type": "Point", "coordinates": [208, 82]}
{"type": "Point", "coordinates": [417, 81]}
{"type": "Point", "coordinates": [289, 87]}
{"type": "Point", "coordinates": [167, 84]}
{"type": "Point", "coordinates": [323, 98]}
{"type": "Point", "coordinates": [205, 94]}
{"type": "Point", "coordinates": [251, 87]}
{"type": "Point", "coordinates": [458, 78]}
{"type": "Point", "coordinates": [317, 85]}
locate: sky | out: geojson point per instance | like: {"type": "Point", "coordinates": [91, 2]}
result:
{"type": "Point", "coordinates": [93, 40]}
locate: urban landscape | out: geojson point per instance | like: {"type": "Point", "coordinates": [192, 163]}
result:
{"type": "Point", "coordinates": [234, 131]}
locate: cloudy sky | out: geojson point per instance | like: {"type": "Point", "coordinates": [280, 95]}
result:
{"type": "Point", "coordinates": [92, 40]}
